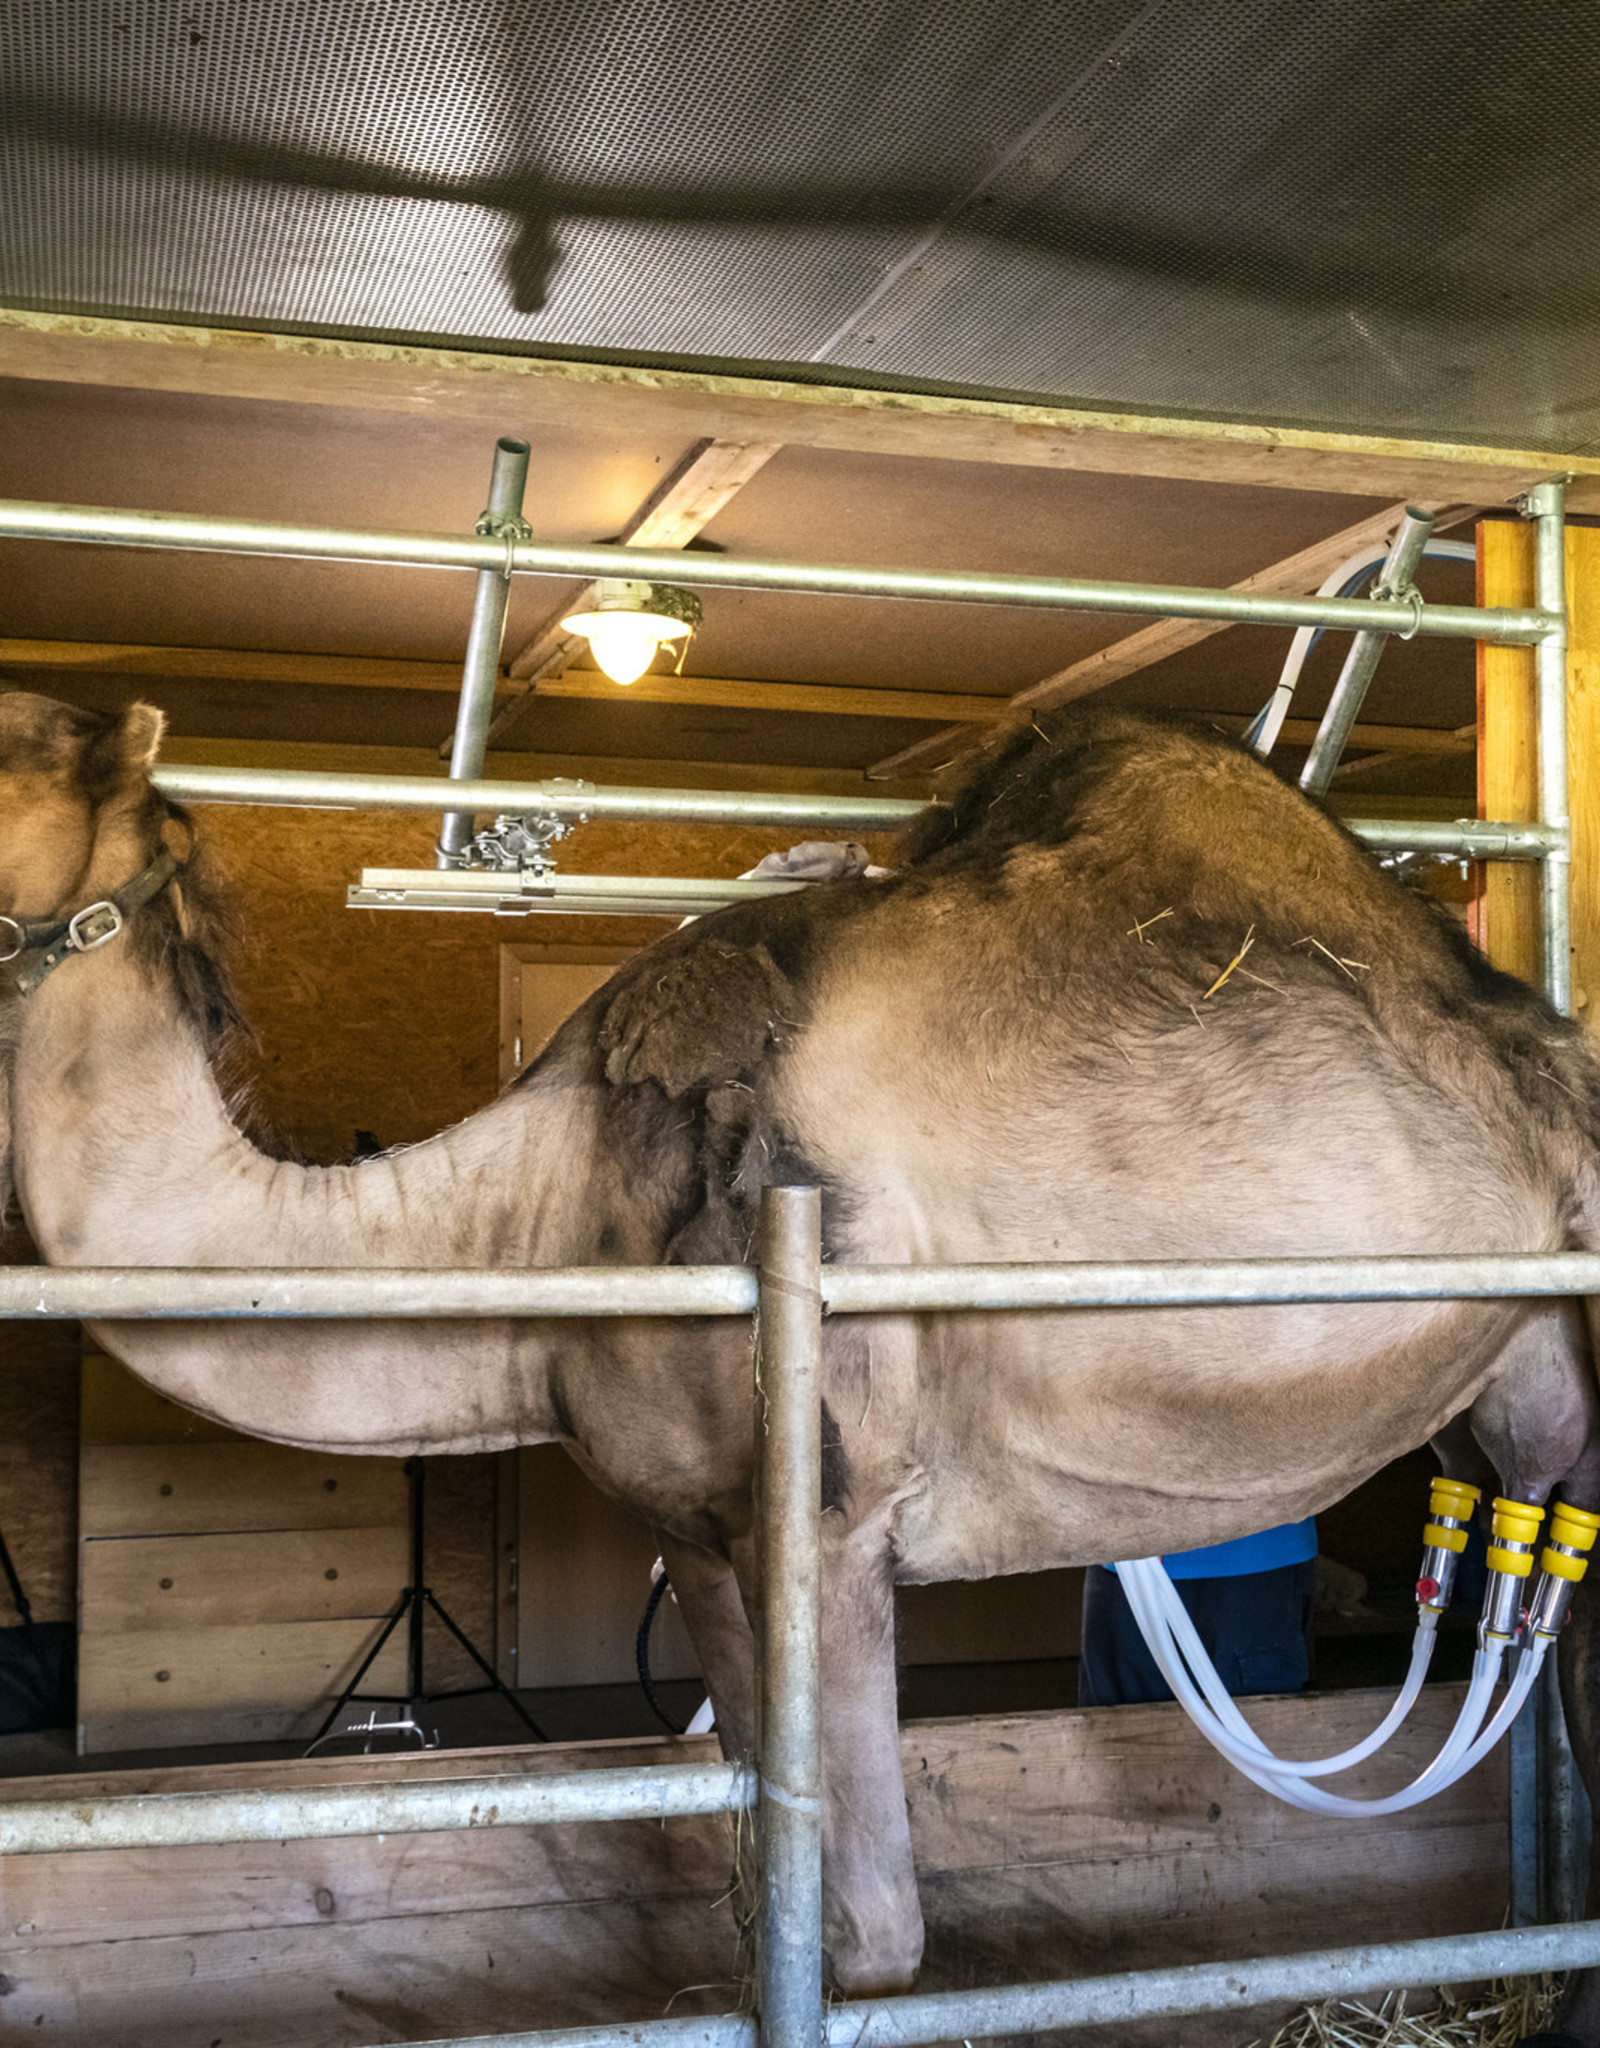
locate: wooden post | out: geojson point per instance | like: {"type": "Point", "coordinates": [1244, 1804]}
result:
{"type": "Point", "coordinates": [1506, 920]}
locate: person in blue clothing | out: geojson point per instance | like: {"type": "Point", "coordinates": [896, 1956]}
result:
{"type": "Point", "coordinates": [1251, 1601]}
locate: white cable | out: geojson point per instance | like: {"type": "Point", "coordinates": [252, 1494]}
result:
{"type": "Point", "coordinates": [1263, 733]}
{"type": "Point", "coordinates": [1166, 1625]}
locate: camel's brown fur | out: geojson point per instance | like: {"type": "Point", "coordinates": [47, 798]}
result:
{"type": "Point", "coordinates": [1130, 997]}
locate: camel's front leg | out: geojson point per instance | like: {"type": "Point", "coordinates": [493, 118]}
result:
{"type": "Point", "coordinates": [714, 1614]}
{"type": "Point", "coordinates": [871, 1921]}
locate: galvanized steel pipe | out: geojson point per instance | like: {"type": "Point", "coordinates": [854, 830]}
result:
{"type": "Point", "coordinates": [155, 1293]}
{"type": "Point", "coordinates": [1199, 1283]}
{"type": "Point", "coordinates": [1361, 662]}
{"type": "Point", "coordinates": [788, 1490]}
{"type": "Point", "coordinates": [574, 802]}
{"type": "Point", "coordinates": [1303, 1979]}
{"type": "Point", "coordinates": [480, 672]}
{"type": "Point", "coordinates": [145, 1293]}
{"type": "Point", "coordinates": [20, 520]}
{"type": "Point", "coordinates": [177, 1820]}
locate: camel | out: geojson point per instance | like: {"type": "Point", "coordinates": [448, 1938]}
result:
{"type": "Point", "coordinates": [1127, 995]}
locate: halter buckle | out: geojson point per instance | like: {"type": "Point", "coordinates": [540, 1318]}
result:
{"type": "Point", "coordinates": [93, 925]}
{"type": "Point", "coordinates": [19, 944]}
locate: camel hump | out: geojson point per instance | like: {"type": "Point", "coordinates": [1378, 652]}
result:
{"type": "Point", "coordinates": [697, 1018]}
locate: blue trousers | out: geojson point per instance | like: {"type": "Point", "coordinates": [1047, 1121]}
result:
{"type": "Point", "coordinates": [1256, 1628]}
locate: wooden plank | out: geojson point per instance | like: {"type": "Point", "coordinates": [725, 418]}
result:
{"type": "Point", "coordinates": [339, 1986]}
{"type": "Point", "coordinates": [228, 665]}
{"type": "Point", "coordinates": [1047, 1844]}
{"type": "Point", "coordinates": [1295, 576]}
{"type": "Point", "coordinates": [613, 398]}
{"type": "Point", "coordinates": [183, 1582]}
{"type": "Point", "coordinates": [171, 1489]}
{"type": "Point", "coordinates": [1506, 915]}
{"type": "Point", "coordinates": [723, 693]}
{"type": "Point", "coordinates": [254, 1667]}
{"type": "Point", "coordinates": [583, 1582]}
{"type": "Point", "coordinates": [120, 1409]}
{"type": "Point", "coordinates": [1583, 764]}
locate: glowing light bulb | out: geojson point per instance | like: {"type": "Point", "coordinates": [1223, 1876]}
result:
{"type": "Point", "coordinates": [626, 622]}
{"type": "Point", "coordinates": [624, 643]}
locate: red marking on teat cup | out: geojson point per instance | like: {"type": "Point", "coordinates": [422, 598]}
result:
{"type": "Point", "coordinates": [1427, 1589]}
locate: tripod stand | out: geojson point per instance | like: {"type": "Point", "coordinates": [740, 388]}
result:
{"type": "Point", "coordinates": [414, 1601]}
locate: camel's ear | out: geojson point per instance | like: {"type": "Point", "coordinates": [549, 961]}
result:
{"type": "Point", "coordinates": [139, 736]}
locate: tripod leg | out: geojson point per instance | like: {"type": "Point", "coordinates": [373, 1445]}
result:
{"type": "Point", "coordinates": [489, 1672]}
{"type": "Point", "coordinates": [408, 1600]}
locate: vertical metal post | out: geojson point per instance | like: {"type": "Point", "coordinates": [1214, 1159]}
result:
{"type": "Point", "coordinates": [1548, 1818]}
{"type": "Point", "coordinates": [1546, 507]}
{"type": "Point", "coordinates": [481, 668]}
{"type": "Point", "coordinates": [1349, 692]}
{"type": "Point", "coordinates": [789, 1490]}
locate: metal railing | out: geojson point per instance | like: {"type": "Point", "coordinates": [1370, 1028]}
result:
{"type": "Point", "coordinates": [789, 1291]}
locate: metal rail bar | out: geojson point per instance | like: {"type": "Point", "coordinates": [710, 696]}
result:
{"type": "Point", "coordinates": [480, 669]}
{"type": "Point", "coordinates": [579, 802]}
{"type": "Point", "coordinates": [181, 1820]}
{"type": "Point", "coordinates": [509, 894]}
{"type": "Point", "coordinates": [575, 802]}
{"type": "Point", "coordinates": [21, 520]}
{"type": "Point", "coordinates": [456, 1294]}
{"type": "Point", "coordinates": [789, 1434]}
{"type": "Point", "coordinates": [1366, 650]}
{"type": "Point", "coordinates": [1306, 1978]}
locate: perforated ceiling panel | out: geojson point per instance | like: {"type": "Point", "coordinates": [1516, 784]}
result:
{"type": "Point", "coordinates": [1381, 216]}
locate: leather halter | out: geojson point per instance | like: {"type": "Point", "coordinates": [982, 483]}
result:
{"type": "Point", "coordinates": [56, 939]}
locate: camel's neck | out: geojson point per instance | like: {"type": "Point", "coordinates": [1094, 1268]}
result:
{"type": "Point", "coordinates": [125, 1155]}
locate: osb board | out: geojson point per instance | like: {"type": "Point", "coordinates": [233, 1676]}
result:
{"type": "Point", "coordinates": [1047, 1844]}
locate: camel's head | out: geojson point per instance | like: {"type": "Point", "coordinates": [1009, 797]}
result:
{"type": "Point", "coordinates": [79, 819]}
{"type": "Point", "coordinates": [75, 797]}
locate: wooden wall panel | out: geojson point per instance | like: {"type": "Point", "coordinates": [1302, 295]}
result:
{"type": "Point", "coordinates": [151, 1489]}
{"type": "Point", "coordinates": [156, 1582]}
{"type": "Point", "coordinates": [1507, 920]}
{"type": "Point", "coordinates": [1046, 1844]}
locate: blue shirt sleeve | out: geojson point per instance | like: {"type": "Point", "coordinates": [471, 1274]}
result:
{"type": "Point", "coordinates": [1268, 1550]}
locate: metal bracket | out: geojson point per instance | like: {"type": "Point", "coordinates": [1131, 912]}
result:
{"type": "Point", "coordinates": [511, 529]}
{"type": "Point", "coordinates": [518, 844]}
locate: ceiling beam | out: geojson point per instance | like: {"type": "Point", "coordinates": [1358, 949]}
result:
{"type": "Point", "coordinates": [39, 660]}
{"type": "Point", "coordinates": [520, 392]}
{"type": "Point", "coordinates": [1295, 575]}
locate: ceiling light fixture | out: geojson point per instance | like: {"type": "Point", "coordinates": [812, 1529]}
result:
{"type": "Point", "coordinates": [627, 623]}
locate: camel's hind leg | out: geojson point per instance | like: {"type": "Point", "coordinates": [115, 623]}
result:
{"type": "Point", "coordinates": [1539, 1425]}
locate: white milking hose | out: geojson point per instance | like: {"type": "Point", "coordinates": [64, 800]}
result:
{"type": "Point", "coordinates": [1208, 1704]}
{"type": "Point", "coordinates": [1263, 733]}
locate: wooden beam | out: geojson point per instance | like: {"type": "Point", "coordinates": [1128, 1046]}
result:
{"type": "Point", "coordinates": [1583, 765]}
{"type": "Point", "coordinates": [522, 392]}
{"type": "Point", "coordinates": [1295, 575]}
{"type": "Point", "coordinates": [712, 473]}
{"type": "Point", "coordinates": [1505, 917]}
{"type": "Point", "coordinates": [226, 665]}
{"type": "Point", "coordinates": [722, 693]}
